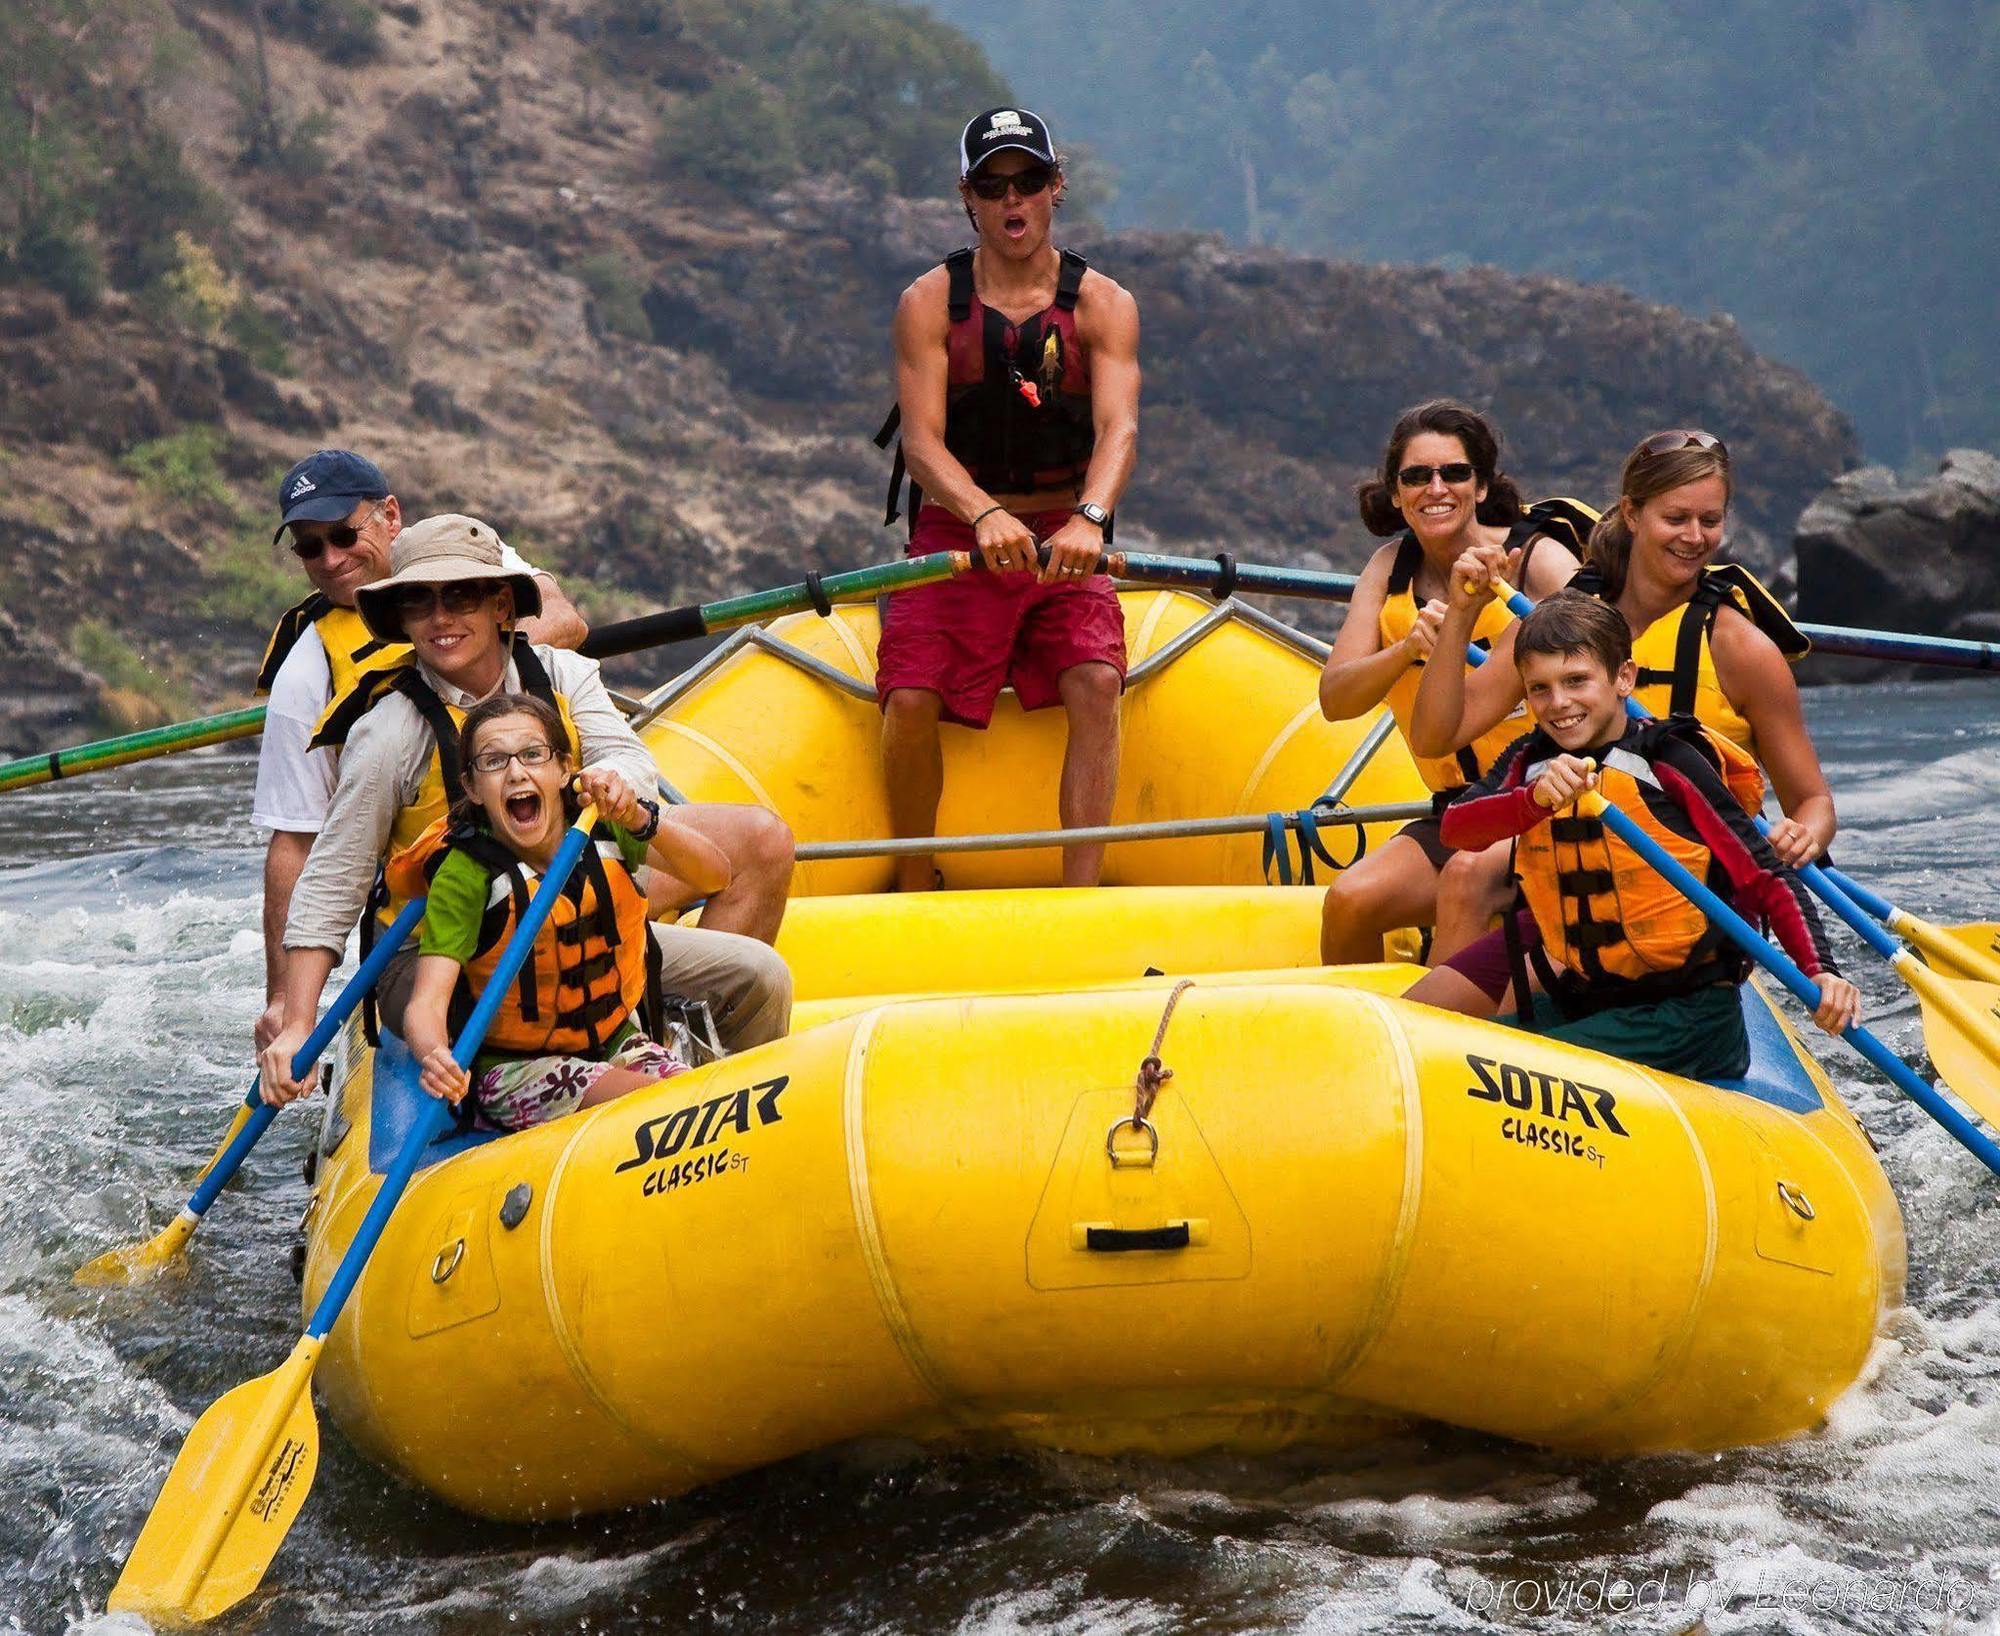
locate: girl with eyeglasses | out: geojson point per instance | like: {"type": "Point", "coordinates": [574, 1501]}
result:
{"type": "Point", "coordinates": [1710, 641]}
{"type": "Point", "coordinates": [569, 1035]}
{"type": "Point", "coordinates": [1440, 493]}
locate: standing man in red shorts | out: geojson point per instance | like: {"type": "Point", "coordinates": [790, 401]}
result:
{"type": "Point", "coordinates": [1017, 386]}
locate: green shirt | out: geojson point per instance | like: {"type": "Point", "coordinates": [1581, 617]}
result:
{"type": "Point", "coordinates": [459, 892]}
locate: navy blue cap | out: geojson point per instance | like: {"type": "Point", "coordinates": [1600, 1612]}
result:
{"type": "Point", "coordinates": [999, 129]}
{"type": "Point", "coordinates": [325, 486]}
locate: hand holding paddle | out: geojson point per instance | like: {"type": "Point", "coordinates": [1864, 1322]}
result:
{"type": "Point", "coordinates": [140, 1263]}
{"type": "Point", "coordinates": [247, 1466]}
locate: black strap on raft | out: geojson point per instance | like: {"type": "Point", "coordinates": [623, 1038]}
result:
{"type": "Point", "coordinates": [1114, 1240]}
{"type": "Point", "coordinates": [817, 593]}
{"type": "Point", "coordinates": [1225, 577]}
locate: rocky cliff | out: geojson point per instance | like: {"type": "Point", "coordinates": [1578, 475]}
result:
{"type": "Point", "coordinates": [662, 391]}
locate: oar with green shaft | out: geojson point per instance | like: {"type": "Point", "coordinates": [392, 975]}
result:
{"type": "Point", "coordinates": [1740, 932]}
{"type": "Point", "coordinates": [245, 1470]}
{"type": "Point", "coordinates": [627, 636]}
{"type": "Point", "coordinates": [141, 1263]}
{"type": "Point", "coordinates": [1963, 1039]}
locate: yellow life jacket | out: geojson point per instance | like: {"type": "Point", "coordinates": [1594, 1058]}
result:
{"type": "Point", "coordinates": [1559, 519]}
{"type": "Point", "coordinates": [589, 971]}
{"type": "Point", "coordinates": [352, 650]}
{"type": "Point", "coordinates": [1615, 929]}
{"type": "Point", "coordinates": [1677, 665]}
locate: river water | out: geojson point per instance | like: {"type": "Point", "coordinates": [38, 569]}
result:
{"type": "Point", "coordinates": [130, 973]}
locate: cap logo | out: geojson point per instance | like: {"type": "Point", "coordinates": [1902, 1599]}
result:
{"type": "Point", "coordinates": [1006, 122]}
{"type": "Point", "coordinates": [305, 485]}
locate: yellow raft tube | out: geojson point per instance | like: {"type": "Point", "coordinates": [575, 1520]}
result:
{"type": "Point", "coordinates": [935, 1216]}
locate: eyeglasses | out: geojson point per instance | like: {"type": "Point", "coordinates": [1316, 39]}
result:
{"type": "Point", "coordinates": [529, 755]}
{"type": "Point", "coordinates": [460, 597]}
{"type": "Point", "coordinates": [1027, 183]}
{"type": "Point", "coordinates": [1673, 442]}
{"type": "Point", "coordinates": [341, 536]}
{"type": "Point", "coordinates": [1419, 477]}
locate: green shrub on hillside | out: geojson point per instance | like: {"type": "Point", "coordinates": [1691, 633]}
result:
{"type": "Point", "coordinates": [736, 136]}
{"type": "Point", "coordinates": [615, 287]}
{"type": "Point", "coordinates": [98, 648]}
{"type": "Point", "coordinates": [181, 468]}
{"type": "Point", "coordinates": [250, 581]}
{"type": "Point", "coordinates": [344, 32]}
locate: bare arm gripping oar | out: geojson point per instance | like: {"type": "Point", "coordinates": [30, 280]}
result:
{"type": "Point", "coordinates": [1963, 1040]}
{"type": "Point", "coordinates": [245, 1470]}
{"type": "Point", "coordinates": [1740, 932]}
{"type": "Point", "coordinates": [141, 1263]}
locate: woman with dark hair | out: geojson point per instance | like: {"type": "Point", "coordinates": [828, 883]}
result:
{"type": "Point", "coordinates": [1440, 493]}
{"type": "Point", "coordinates": [1709, 640]}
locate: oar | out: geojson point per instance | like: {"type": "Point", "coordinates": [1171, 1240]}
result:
{"type": "Point", "coordinates": [1971, 950]}
{"type": "Point", "coordinates": [141, 1263]}
{"type": "Point", "coordinates": [628, 636]}
{"type": "Point", "coordinates": [1779, 965]}
{"type": "Point", "coordinates": [245, 1470]}
{"type": "Point", "coordinates": [1961, 1031]}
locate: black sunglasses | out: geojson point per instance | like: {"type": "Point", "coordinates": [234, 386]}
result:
{"type": "Point", "coordinates": [341, 536]}
{"type": "Point", "coordinates": [459, 597]}
{"type": "Point", "coordinates": [1027, 183]}
{"type": "Point", "coordinates": [1673, 442]}
{"type": "Point", "coordinates": [1419, 477]}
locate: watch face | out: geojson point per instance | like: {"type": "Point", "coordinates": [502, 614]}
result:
{"type": "Point", "coordinates": [1093, 513]}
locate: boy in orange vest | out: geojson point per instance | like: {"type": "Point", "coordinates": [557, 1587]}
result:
{"type": "Point", "coordinates": [1632, 968]}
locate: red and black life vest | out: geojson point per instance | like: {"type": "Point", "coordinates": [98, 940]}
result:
{"type": "Point", "coordinates": [1017, 399]}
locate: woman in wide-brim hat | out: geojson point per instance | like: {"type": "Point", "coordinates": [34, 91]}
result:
{"type": "Point", "coordinates": [439, 551]}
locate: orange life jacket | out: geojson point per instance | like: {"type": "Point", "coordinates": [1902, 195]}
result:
{"type": "Point", "coordinates": [590, 970]}
{"type": "Point", "coordinates": [1618, 931]}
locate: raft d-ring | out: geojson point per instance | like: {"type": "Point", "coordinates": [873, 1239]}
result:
{"type": "Point", "coordinates": [311, 1210]}
{"type": "Point", "coordinates": [1125, 1161]}
{"type": "Point", "coordinates": [441, 1269]}
{"type": "Point", "coordinates": [1795, 1201]}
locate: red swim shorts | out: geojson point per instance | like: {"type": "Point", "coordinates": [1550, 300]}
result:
{"type": "Point", "coordinates": [966, 638]}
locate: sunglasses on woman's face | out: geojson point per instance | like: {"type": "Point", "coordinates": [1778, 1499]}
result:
{"type": "Point", "coordinates": [423, 601]}
{"type": "Point", "coordinates": [1673, 442]}
{"type": "Point", "coordinates": [1419, 477]}
{"type": "Point", "coordinates": [1027, 182]}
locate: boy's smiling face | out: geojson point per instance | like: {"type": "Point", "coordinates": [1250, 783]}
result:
{"type": "Point", "coordinates": [1575, 700]}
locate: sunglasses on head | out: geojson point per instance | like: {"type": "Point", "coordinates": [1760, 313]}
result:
{"type": "Point", "coordinates": [341, 536]}
{"type": "Point", "coordinates": [1419, 477]}
{"type": "Point", "coordinates": [1673, 442]}
{"type": "Point", "coordinates": [460, 597]}
{"type": "Point", "coordinates": [1027, 183]}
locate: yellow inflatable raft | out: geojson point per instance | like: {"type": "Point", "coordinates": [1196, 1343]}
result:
{"type": "Point", "coordinates": [952, 1214]}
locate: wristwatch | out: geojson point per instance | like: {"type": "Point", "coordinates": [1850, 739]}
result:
{"type": "Point", "coordinates": [1091, 512]}
{"type": "Point", "coordinates": [652, 821]}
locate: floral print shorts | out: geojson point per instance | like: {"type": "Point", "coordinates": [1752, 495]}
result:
{"type": "Point", "coordinates": [524, 1091]}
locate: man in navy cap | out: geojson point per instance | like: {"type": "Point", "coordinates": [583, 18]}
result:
{"type": "Point", "coordinates": [1017, 387]}
{"type": "Point", "coordinates": [342, 519]}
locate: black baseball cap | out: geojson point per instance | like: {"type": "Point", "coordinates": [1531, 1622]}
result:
{"type": "Point", "coordinates": [999, 129]}
{"type": "Point", "coordinates": [325, 486]}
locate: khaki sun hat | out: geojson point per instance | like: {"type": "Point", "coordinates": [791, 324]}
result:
{"type": "Point", "coordinates": [441, 551]}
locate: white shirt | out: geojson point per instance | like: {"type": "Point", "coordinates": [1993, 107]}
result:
{"type": "Point", "coordinates": [295, 784]}
{"type": "Point", "coordinates": [383, 769]}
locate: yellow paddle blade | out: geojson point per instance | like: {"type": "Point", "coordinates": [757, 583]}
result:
{"type": "Point", "coordinates": [1962, 1034]}
{"type": "Point", "coordinates": [1972, 950]}
{"type": "Point", "coordinates": [142, 1263]}
{"type": "Point", "coordinates": [231, 1498]}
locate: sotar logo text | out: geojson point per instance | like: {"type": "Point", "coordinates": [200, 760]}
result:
{"type": "Point", "coordinates": [1529, 1090]}
{"type": "Point", "coordinates": [305, 485]}
{"type": "Point", "coordinates": [703, 1122]}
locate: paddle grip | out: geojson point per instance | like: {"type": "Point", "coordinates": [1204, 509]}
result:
{"type": "Point", "coordinates": [262, 1113]}
{"type": "Point", "coordinates": [432, 1119]}
{"type": "Point", "coordinates": [647, 631]}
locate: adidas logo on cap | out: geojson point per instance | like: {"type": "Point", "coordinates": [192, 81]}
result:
{"type": "Point", "coordinates": [305, 485]}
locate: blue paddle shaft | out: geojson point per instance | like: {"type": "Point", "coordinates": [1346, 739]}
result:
{"type": "Point", "coordinates": [437, 1113]}
{"type": "Point", "coordinates": [262, 1112]}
